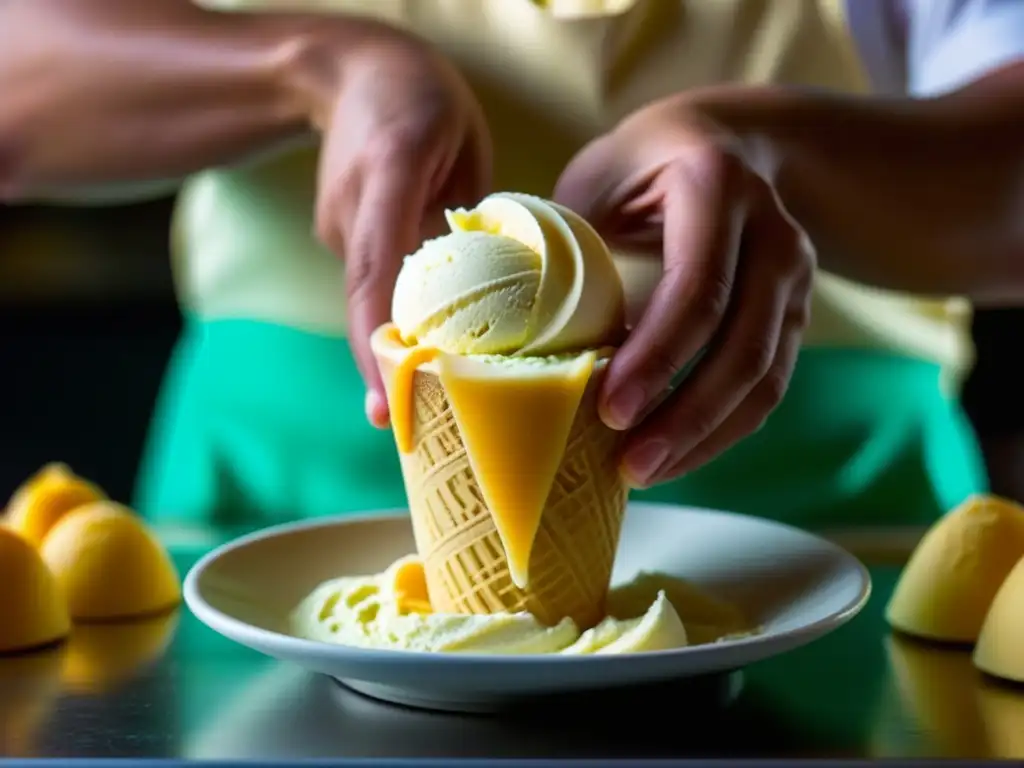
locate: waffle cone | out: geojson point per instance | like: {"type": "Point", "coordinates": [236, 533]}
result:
{"type": "Point", "coordinates": [466, 570]}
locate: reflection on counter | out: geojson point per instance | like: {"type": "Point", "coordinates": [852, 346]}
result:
{"type": "Point", "coordinates": [936, 686]}
{"type": "Point", "coordinates": [94, 661]}
{"type": "Point", "coordinates": [1002, 710]}
{"type": "Point", "coordinates": [290, 714]}
{"type": "Point", "coordinates": [29, 686]}
{"type": "Point", "coordinates": [101, 656]}
{"type": "Point", "coordinates": [956, 710]}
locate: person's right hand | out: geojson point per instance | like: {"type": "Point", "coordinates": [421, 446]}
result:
{"type": "Point", "coordinates": [403, 139]}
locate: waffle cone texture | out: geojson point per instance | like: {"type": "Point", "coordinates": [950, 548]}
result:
{"type": "Point", "coordinates": [571, 562]}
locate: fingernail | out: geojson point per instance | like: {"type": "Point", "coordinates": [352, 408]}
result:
{"type": "Point", "coordinates": [376, 409]}
{"type": "Point", "coordinates": [643, 462]}
{"type": "Point", "coordinates": [624, 406]}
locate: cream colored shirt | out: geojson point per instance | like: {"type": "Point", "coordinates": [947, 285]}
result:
{"type": "Point", "coordinates": [553, 75]}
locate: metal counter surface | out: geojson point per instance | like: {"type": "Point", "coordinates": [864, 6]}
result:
{"type": "Point", "coordinates": [169, 687]}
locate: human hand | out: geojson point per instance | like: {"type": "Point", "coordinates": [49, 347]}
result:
{"type": "Point", "coordinates": [404, 138]}
{"type": "Point", "coordinates": [736, 283]}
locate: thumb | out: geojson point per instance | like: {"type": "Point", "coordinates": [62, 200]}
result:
{"type": "Point", "coordinates": [384, 230]}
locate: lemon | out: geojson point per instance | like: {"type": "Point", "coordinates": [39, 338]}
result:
{"type": "Point", "coordinates": [109, 564]}
{"type": "Point", "coordinates": [32, 608]}
{"type": "Point", "coordinates": [45, 498]}
{"type": "Point", "coordinates": [951, 579]}
{"type": "Point", "coordinates": [1000, 647]}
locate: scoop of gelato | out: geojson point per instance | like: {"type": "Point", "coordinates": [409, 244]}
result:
{"type": "Point", "coordinates": [517, 275]}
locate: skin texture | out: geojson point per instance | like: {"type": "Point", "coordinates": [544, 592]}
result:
{"type": "Point", "coordinates": [414, 143]}
{"type": "Point", "coordinates": [737, 276]}
{"type": "Point", "coordinates": [101, 92]}
{"type": "Point", "coordinates": [740, 189]}
{"type": "Point", "coordinates": [733, 186]}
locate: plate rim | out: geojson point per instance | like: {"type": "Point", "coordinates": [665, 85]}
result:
{"type": "Point", "coordinates": [233, 628]}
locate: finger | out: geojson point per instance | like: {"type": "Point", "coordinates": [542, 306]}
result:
{"type": "Point", "coordinates": [774, 281]}
{"type": "Point", "coordinates": [739, 358]}
{"type": "Point", "coordinates": [751, 414]}
{"type": "Point", "coordinates": [338, 191]}
{"type": "Point", "coordinates": [385, 228]}
{"type": "Point", "coordinates": [609, 181]}
{"type": "Point", "coordinates": [701, 237]}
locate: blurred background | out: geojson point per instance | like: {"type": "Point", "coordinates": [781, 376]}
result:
{"type": "Point", "coordinates": [88, 318]}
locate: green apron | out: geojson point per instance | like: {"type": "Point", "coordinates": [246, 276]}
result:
{"type": "Point", "coordinates": [261, 423]}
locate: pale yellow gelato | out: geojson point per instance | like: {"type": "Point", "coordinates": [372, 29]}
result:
{"type": "Point", "coordinates": [499, 328]}
{"type": "Point", "coordinates": [391, 610]}
{"type": "Point", "coordinates": [517, 275]}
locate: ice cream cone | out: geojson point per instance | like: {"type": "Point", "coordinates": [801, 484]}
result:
{"type": "Point", "coordinates": [500, 332]}
{"type": "Point", "coordinates": [466, 569]}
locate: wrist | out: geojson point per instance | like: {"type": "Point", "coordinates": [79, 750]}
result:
{"type": "Point", "coordinates": [306, 70]}
{"type": "Point", "coordinates": [311, 61]}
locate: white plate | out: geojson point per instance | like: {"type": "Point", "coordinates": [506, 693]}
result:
{"type": "Point", "coordinates": [797, 586]}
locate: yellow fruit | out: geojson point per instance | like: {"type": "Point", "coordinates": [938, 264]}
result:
{"type": "Point", "coordinates": [33, 611]}
{"type": "Point", "coordinates": [1000, 648]}
{"type": "Point", "coordinates": [45, 498]}
{"type": "Point", "coordinates": [945, 591]}
{"type": "Point", "coordinates": [109, 564]}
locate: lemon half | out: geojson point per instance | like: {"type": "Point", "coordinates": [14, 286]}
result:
{"type": "Point", "coordinates": [33, 612]}
{"type": "Point", "coordinates": [109, 565]}
{"type": "Point", "coordinates": [45, 498]}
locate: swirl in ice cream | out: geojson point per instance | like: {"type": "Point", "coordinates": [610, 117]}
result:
{"type": "Point", "coordinates": [516, 276]}
{"type": "Point", "coordinates": [392, 610]}
{"type": "Point", "coordinates": [512, 310]}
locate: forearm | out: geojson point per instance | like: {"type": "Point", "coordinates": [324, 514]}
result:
{"type": "Point", "coordinates": [113, 91]}
{"type": "Point", "coordinates": [921, 196]}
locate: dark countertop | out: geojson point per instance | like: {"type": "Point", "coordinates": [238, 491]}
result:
{"type": "Point", "coordinates": [172, 688]}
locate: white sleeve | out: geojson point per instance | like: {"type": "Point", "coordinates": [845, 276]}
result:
{"type": "Point", "coordinates": [951, 43]}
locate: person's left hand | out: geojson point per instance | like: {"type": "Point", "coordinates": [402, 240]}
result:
{"type": "Point", "coordinates": [736, 281]}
